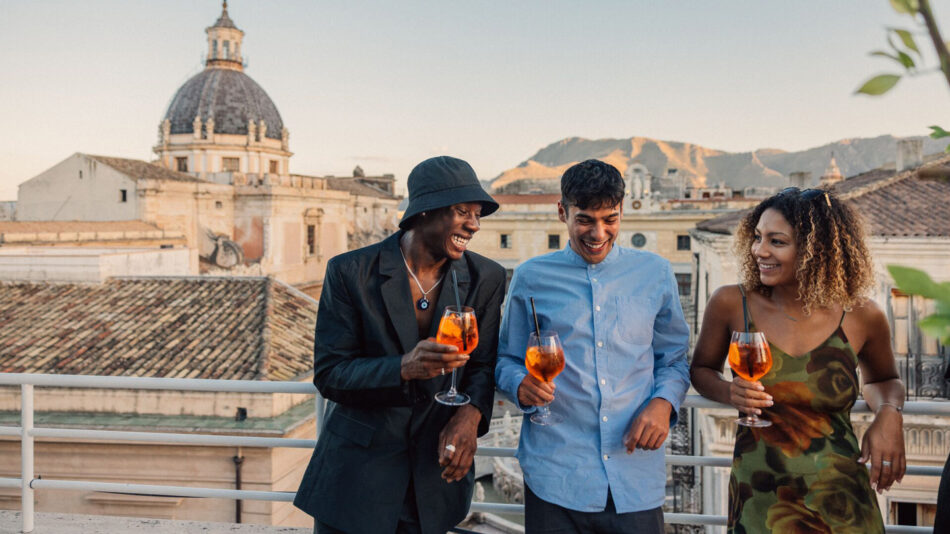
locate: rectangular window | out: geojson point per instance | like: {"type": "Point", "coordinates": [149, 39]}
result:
{"type": "Point", "coordinates": [683, 282]}
{"type": "Point", "coordinates": [231, 164]}
{"type": "Point", "coordinates": [274, 165]}
{"type": "Point", "coordinates": [218, 204]}
{"type": "Point", "coordinates": [123, 195]}
{"type": "Point", "coordinates": [181, 163]}
{"type": "Point", "coordinates": [554, 241]}
{"type": "Point", "coordinates": [682, 242]}
{"type": "Point", "coordinates": [505, 241]}
{"type": "Point", "coordinates": [227, 49]}
{"type": "Point", "coordinates": [311, 239]}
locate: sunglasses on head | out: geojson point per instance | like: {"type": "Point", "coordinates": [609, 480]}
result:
{"type": "Point", "coordinates": [806, 194]}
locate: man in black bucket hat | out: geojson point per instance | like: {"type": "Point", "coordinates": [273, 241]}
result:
{"type": "Point", "coordinates": [389, 458]}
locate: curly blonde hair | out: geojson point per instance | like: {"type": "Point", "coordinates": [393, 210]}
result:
{"type": "Point", "coordinates": [834, 265]}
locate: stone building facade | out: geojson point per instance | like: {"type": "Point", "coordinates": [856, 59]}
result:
{"type": "Point", "coordinates": [222, 179]}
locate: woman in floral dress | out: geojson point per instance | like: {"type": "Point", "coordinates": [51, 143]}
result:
{"type": "Point", "coordinates": [805, 274]}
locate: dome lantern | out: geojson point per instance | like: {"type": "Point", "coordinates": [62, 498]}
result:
{"type": "Point", "coordinates": [224, 43]}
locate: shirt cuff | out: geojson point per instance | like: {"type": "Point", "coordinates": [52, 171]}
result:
{"type": "Point", "coordinates": [674, 400]}
{"type": "Point", "coordinates": [511, 389]}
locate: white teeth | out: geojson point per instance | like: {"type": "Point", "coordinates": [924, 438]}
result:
{"type": "Point", "coordinates": [460, 242]}
{"type": "Point", "coordinates": [588, 244]}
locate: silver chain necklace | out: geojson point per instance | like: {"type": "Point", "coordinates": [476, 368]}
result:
{"type": "Point", "coordinates": [423, 303]}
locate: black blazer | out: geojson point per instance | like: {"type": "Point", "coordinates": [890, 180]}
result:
{"type": "Point", "coordinates": [380, 432]}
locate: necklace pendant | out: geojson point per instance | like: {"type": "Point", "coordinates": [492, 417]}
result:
{"type": "Point", "coordinates": [423, 304]}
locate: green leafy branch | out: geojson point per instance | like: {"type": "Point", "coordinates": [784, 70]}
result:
{"type": "Point", "coordinates": [906, 48]}
{"type": "Point", "coordinates": [916, 282]}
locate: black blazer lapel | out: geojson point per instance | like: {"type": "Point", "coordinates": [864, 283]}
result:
{"type": "Point", "coordinates": [396, 294]}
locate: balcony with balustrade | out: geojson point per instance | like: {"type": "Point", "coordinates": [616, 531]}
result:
{"type": "Point", "coordinates": [159, 496]}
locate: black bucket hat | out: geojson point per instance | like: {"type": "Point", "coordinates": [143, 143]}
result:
{"type": "Point", "coordinates": [443, 181]}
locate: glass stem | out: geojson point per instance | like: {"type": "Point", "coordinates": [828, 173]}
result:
{"type": "Point", "coordinates": [452, 391]}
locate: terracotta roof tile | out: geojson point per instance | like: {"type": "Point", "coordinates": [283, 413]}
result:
{"type": "Point", "coordinates": [913, 203]}
{"type": "Point", "coordinates": [30, 227]}
{"type": "Point", "coordinates": [353, 186]}
{"type": "Point", "coordinates": [194, 327]}
{"type": "Point", "coordinates": [138, 169]}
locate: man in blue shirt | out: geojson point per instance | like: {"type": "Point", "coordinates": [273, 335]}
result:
{"type": "Point", "coordinates": [618, 315]}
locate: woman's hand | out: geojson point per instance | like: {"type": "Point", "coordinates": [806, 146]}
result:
{"type": "Point", "coordinates": [748, 397]}
{"type": "Point", "coordinates": [458, 442]}
{"type": "Point", "coordinates": [883, 444]}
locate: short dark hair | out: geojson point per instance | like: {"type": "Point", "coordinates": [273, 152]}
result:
{"type": "Point", "coordinates": [591, 184]}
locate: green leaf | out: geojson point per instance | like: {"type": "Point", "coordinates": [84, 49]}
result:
{"type": "Point", "coordinates": [879, 85]}
{"type": "Point", "coordinates": [937, 326]}
{"type": "Point", "coordinates": [938, 132]}
{"type": "Point", "coordinates": [907, 38]}
{"type": "Point", "coordinates": [905, 60]}
{"type": "Point", "coordinates": [900, 57]}
{"type": "Point", "coordinates": [908, 7]}
{"type": "Point", "coordinates": [882, 53]}
{"type": "Point", "coordinates": [916, 282]}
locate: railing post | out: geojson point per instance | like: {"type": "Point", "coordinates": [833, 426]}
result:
{"type": "Point", "coordinates": [26, 456]}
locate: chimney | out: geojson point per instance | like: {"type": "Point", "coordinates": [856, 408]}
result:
{"type": "Point", "coordinates": [800, 179]}
{"type": "Point", "coordinates": [910, 154]}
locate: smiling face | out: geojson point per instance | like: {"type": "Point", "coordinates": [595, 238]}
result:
{"type": "Point", "coordinates": [774, 249]}
{"type": "Point", "coordinates": [592, 231]}
{"type": "Point", "coordinates": [446, 232]}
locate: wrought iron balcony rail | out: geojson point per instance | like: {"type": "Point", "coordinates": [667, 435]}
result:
{"type": "Point", "coordinates": [27, 432]}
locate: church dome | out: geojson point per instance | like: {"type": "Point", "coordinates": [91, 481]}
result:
{"type": "Point", "coordinates": [228, 95]}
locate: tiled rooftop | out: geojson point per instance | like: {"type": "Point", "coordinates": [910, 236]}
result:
{"type": "Point", "coordinates": [541, 198]}
{"type": "Point", "coordinates": [138, 169]}
{"type": "Point", "coordinates": [250, 328]}
{"type": "Point", "coordinates": [30, 227]}
{"type": "Point", "coordinates": [353, 186]}
{"type": "Point", "coordinates": [913, 203]}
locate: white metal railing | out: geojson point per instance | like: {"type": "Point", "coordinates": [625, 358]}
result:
{"type": "Point", "coordinates": [27, 432]}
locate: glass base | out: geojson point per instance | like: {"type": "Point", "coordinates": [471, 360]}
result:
{"type": "Point", "coordinates": [753, 422]}
{"type": "Point", "coordinates": [452, 398]}
{"type": "Point", "coordinates": [545, 419]}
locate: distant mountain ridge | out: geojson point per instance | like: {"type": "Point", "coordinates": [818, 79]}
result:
{"type": "Point", "coordinates": [767, 167]}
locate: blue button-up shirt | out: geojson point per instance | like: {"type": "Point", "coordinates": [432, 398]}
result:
{"type": "Point", "coordinates": [625, 342]}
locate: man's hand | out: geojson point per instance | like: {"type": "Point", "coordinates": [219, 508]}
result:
{"type": "Point", "coordinates": [650, 428]}
{"type": "Point", "coordinates": [461, 433]}
{"type": "Point", "coordinates": [429, 359]}
{"type": "Point", "coordinates": [533, 392]}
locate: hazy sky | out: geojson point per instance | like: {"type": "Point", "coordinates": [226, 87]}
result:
{"type": "Point", "coordinates": [385, 84]}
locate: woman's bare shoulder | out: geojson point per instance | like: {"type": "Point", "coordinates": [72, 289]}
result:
{"type": "Point", "coordinates": [868, 313]}
{"type": "Point", "coordinates": [724, 302]}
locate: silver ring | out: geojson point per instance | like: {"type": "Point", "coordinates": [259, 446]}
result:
{"type": "Point", "coordinates": [443, 371]}
{"type": "Point", "coordinates": [450, 447]}
{"type": "Point", "coordinates": [885, 463]}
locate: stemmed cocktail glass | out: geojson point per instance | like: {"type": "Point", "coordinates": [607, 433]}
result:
{"type": "Point", "coordinates": [459, 328]}
{"type": "Point", "coordinates": [544, 359]}
{"type": "Point", "coordinates": [751, 358]}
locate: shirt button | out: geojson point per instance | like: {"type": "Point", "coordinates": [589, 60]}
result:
{"type": "Point", "coordinates": [600, 343]}
{"type": "Point", "coordinates": [595, 279]}
{"type": "Point", "coordinates": [605, 457]}
{"type": "Point", "coordinates": [597, 308]}
{"type": "Point", "coordinates": [603, 381]}
{"type": "Point", "coordinates": [605, 418]}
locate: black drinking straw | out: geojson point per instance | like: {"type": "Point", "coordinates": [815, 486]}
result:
{"type": "Point", "coordinates": [458, 304]}
{"type": "Point", "coordinates": [534, 312]}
